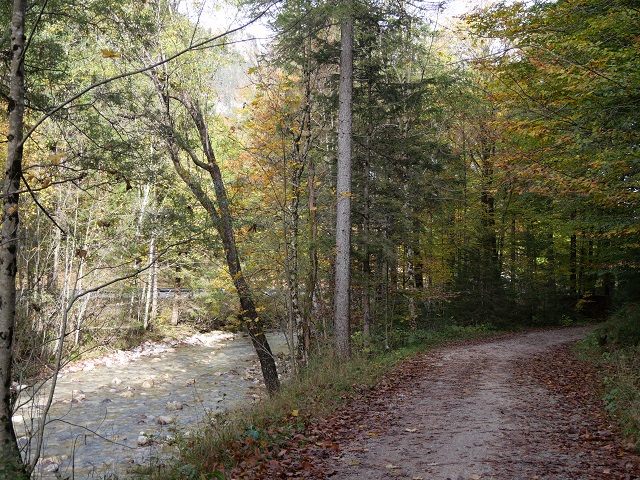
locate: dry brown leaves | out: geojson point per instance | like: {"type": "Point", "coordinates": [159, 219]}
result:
{"type": "Point", "coordinates": [573, 440]}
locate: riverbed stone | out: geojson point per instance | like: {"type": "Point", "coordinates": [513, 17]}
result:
{"type": "Point", "coordinates": [165, 419]}
{"type": "Point", "coordinates": [174, 405]}
{"type": "Point", "coordinates": [148, 383]}
{"type": "Point", "coordinates": [143, 440]}
{"type": "Point", "coordinates": [78, 396]}
{"type": "Point", "coordinates": [51, 468]}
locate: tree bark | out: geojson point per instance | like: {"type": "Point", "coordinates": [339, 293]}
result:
{"type": "Point", "coordinates": [220, 214]}
{"type": "Point", "coordinates": [312, 274]}
{"type": "Point", "coordinates": [11, 465]}
{"type": "Point", "coordinates": [341, 333]}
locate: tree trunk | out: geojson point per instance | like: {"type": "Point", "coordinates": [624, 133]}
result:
{"type": "Point", "coordinates": [291, 226]}
{"type": "Point", "coordinates": [151, 290]}
{"type": "Point", "coordinates": [221, 217]}
{"type": "Point", "coordinates": [341, 332]}
{"type": "Point", "coordinates": [366, 261]}
{"type": "Point", "coordinates": [312, 275]}
{"type": "Point", "coordinates": [413, 316]}
{"type": "Point", "coordinates": [11, 465]}
{"type": "Point", "coordinates": [177, 296]}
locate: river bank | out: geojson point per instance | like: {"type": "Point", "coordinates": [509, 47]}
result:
{"type": "Point", "coordinates": [128, 408]}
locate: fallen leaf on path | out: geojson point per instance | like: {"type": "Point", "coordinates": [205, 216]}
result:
{"type": "Point", "coordinates": [474, 477]}
{"type": "Point", "coordinates": [391, 466]}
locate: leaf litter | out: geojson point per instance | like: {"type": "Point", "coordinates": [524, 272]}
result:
{"type": "Point", "coordinates": [517, 407]}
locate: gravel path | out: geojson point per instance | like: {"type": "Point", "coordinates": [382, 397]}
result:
{"type": "Point", "coordinates": [479, 412]}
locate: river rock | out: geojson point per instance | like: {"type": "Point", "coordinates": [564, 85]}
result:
{"type": "Point", "coordinates": [165, 420]}
{"type": "Point", "coordinates": [173, 405]}
{"type": "Point", "coordinates": [127, 394]}
{"type": "Point", "coordinates": [78, 396]}
{"type": "Point", "coordinates": [54, 459]}
{"type": "Point", "coordinates": [51, 468]}
{"type": "Point", "coordinates": [116, 381]}
{"type": "Point", "coordinates": [143, 440]}
{"type": "Point", "coordinates": [149, 383]}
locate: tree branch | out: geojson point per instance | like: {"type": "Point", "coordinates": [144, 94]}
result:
{"type": "Point", "coordinates": [93, 86]}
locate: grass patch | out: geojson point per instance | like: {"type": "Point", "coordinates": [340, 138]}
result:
{"type": "Point", "coordinates": [239, 439]}
{"type": "Point", "coordinates": [615, 347]}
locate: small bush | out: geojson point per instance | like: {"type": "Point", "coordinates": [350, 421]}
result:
{"type": "Point", "coordinates": [615, 345]}
{"type": "Point", "coordinates": [622, 331]}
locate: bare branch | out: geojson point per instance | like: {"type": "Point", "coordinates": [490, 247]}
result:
{"type": "Point", "coordinates": [44, 210]}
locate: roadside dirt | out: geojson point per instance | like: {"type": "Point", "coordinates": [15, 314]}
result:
{"type": "Point", "coordinates": [520, 407]}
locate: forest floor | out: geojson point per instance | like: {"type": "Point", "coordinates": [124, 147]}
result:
{"type": "Point", "coordinates": [518, 407]}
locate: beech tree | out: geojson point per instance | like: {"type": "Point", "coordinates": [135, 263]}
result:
{"type": "Point", "coordinates": [564, 82]}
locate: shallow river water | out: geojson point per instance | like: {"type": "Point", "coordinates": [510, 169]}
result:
{"type": "Point", "coordinates": [116, 413]}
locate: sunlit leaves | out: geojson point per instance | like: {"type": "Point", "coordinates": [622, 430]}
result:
{"type": "Point", "coordinates": [109, 53]}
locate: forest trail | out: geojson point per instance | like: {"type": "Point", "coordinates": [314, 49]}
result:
{"type": "Point", "coordinates": [517, 407]}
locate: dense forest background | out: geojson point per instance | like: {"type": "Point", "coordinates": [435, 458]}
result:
{"type": "Point", "coordinates": [494, 170]}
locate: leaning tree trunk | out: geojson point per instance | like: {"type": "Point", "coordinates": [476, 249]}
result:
{"type": "Point", "coordinates": [11, 465]}
{"type": "Point", "coordinates": [225, 227]}
{"type": "Point", "coordinates": [220, 214]}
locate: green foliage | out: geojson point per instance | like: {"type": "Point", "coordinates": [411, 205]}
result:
{"type": "Point", "coordinates": [615, 345]}
{"type": "Point", "coordinates": [622, 331]}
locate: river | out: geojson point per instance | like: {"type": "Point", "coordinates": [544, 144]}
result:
{"type": "Point", "coordinates": [123, 410]}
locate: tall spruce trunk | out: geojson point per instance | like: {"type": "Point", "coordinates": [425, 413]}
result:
{"type": "Point", "coordinates": [11, 465]}
{"type": "Point", "coordinates": [341, 333]}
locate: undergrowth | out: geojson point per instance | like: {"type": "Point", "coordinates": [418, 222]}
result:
{"type": "Point", "coordinates": [615, 346]}
{"type": "Point", "coordinates": [259, 431]}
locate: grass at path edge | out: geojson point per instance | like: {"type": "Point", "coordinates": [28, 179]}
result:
{"type": "Point", "coordinates": [253, 433]}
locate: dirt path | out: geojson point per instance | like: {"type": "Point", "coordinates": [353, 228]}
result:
{"type": "Point", "coordinates": [484, 411]}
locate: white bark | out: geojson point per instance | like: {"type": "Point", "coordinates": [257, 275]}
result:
{"type": "Point", "coordinates": [11, 465]}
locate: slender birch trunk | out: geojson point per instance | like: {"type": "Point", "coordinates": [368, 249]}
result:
{"type": "Point", "coordinates": [151, 289]}
{"type": "Point", "coordinates": [11, 465]}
